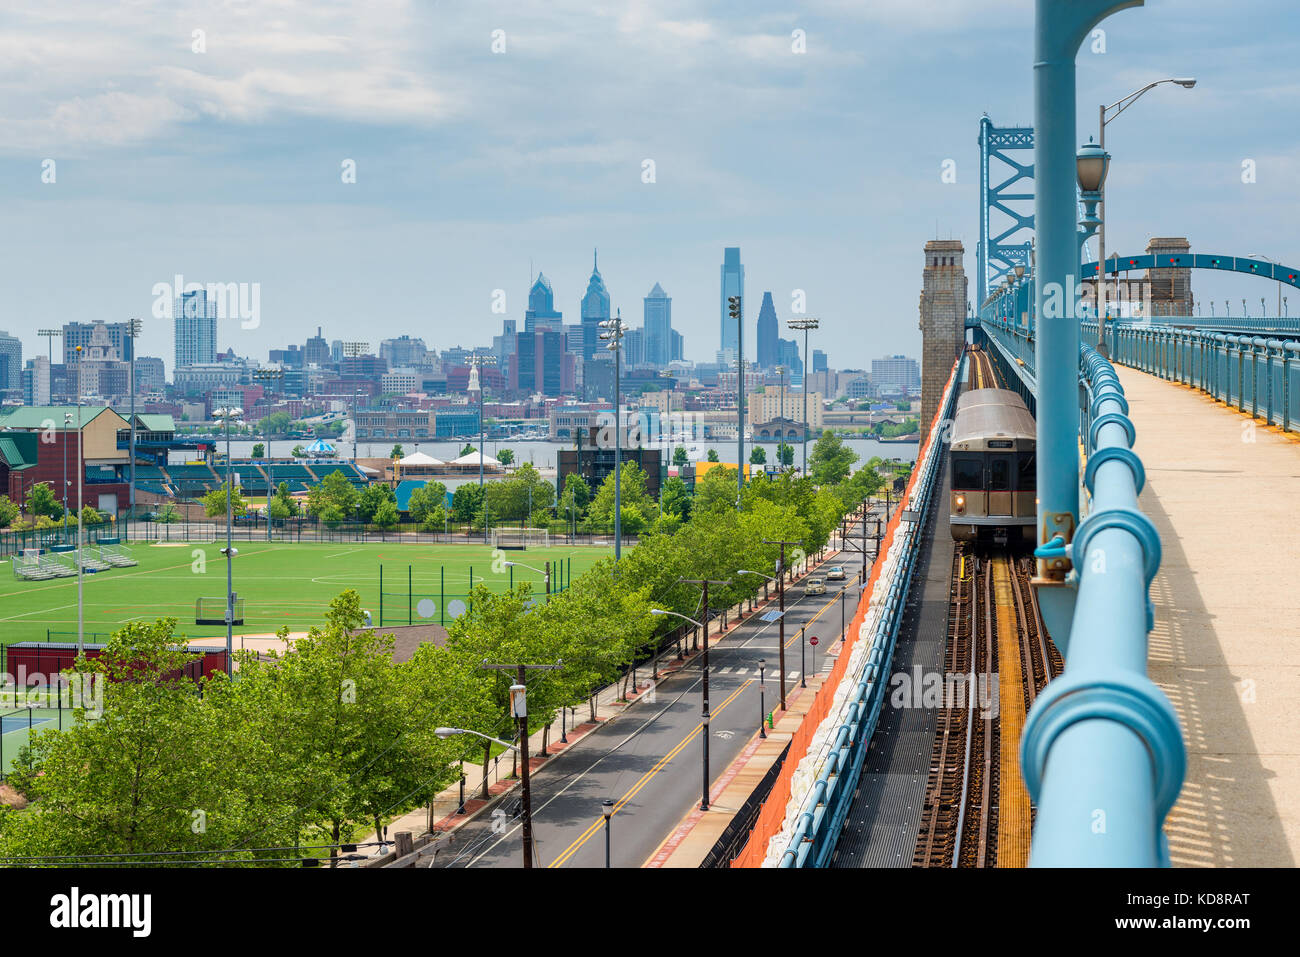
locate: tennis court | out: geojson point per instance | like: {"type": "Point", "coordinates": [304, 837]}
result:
{"type": "Point", "coordinates": [18, 724]}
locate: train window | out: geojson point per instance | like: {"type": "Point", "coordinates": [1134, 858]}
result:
{"type": "Point", "coordinates": [967, 471]}
{"type": "Point", "coordinates": [999, 473]}
{"type": "Point", "coordinates": [1027, 477]}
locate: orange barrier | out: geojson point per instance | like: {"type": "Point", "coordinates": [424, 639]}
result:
{"type": "Point", "coordinates": [772, 814]}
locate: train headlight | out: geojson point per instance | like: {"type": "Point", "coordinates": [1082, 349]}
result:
{"type": "Point", "coordinates": [961, 502]}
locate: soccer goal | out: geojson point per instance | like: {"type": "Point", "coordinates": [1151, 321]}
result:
{"type": "Point", "coordinates": [199, 533]}
{"type": "Point", "coordinates": [516, 538]}
{"type": "Point", "coordinates": [212, 611]}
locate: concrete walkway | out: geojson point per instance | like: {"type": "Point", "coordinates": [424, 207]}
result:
{"type": "Point", "coordinates": [1222, 490]}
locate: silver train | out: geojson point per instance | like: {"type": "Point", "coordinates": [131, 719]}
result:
{"type": "Point", "coordinates": [991, 468]}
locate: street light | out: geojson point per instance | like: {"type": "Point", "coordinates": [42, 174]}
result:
{"type": "Point", "coordinates": [805, 325]}
{"type": "Point", "coordinates": [762, 697]}
{"type": "Point", "coordinates": [81, 475]}
{"type": "Point", "coordinates": [227, 415]}
{"type": "Point", "coordinates": [1115, 109]}
{"type": "Point", "coordinates": [1279, 282]}
{"type": "Point", "coordinates": [735, 310]}
{"type": "Point", "coordinates": [612, 335]}
{"type": "Point", "coordinates": [133, 327]}
{"type": "Point", "coordinates": [275, 375]}
{"type": "Point", "coordinates": [607, 808]}
{"type": "Point", "coordinates": [704, 667]}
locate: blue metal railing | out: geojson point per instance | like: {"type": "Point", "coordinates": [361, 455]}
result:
{"type": "Point", "coordinates": [1250, 373]}
{"type": "Point", "coordinates": [1102, 752]}
{"type": "Point", "coordinates": [818, 826]}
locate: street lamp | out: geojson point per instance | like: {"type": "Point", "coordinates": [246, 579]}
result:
{"type": "Point", "coordinates": [476, 364]}
{"type": "Point", "coordinates": [805, 325]}
{"type": "Point", "coordinates": [81, 475]}
{"type": "Point", "coordinates": [1279, 283]}
{"type": "Point", "coordinates": [607, 808]}
{"type": "Point", "coordinates": [227, 415]}
{"type": "Point", "coordinates": [762, 697]}
{"type": "Point", "coordinates": [734, 308]}
{"type": "Point", "coordinates": [133, 327]}
{"type": "Point", "coordinates": [612, 335]}
{"type": "Point", "coordinates": [704, 666]}
{"type": "Point", "coordinates": [1115, 109]}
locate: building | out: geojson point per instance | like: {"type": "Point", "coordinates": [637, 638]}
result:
{"type": "Point", "coordinates": [595, 310]}
{"type": "Point", "coordinates": [394, 424]}
{"type": "Point", "coordinates": [316, 351]}
{"type": "Point", "coordinates": [943, 319]}
{"type": "Point", "coordinates": [774, 405]}
{"type": "Point", "coordinates": [200, 378]}
{"type": "Point", "coordinates": [1170, 289]}
{"type": "Point", "coordinates": [541, 311]}
{"type": "Point", "coordinates": [405, 352]}
{"type": "Point", "coordinates": [456, 422]}
{"type": "Point", "coordinates": [150, 375]}
{"type": "Point", "coordinates": [541, 363]}
{"type": "Point", "coordinates": [80, 334]}
{"type": "Point", "coordinates": [768, 334]}
{"type": "Point", "coordinates": [195, 319]}
{"type": "Point", "coordinates": [658, 317]}
{"type": "Point", "coordinates": [896, 373]}
{"type": "Point", "coordinates": [733, 284]}
{"type": "Point", "coordinates": [11, 362]}
{"type": "Point", "coordinates": [787, 354]}
{"type": "Point", "coordinates": [819, 361]}
{"type": "Point", "coordinates": [593, 459]}
{"type": "Point", "coordinates": [399, 382]}
{"type": "Point", "coordinates": [55, 430]}
{"type": "Point", "coordinates": [37, 381]}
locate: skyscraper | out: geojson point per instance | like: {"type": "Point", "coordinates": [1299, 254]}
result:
{"type": "Point", "coordinates": [196, 329]}
{"type": "Point", "coordinates": [658, 327]}
{"type": "Point", "coordinates": [11, 355]}
{"type": "Point", "coordinates": [767, 333]}
{"type": "Point", "coordinates": [541, 312]}
{"type": "Point", "coordinates": [733, 284]}
{"type": "Point", "coordinates": [79, 334]}
{"type": "Point", "coordinates": [595, 309]}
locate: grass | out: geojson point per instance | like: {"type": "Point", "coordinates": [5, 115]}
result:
{"type": "Point", "coordinates": [281, 584]}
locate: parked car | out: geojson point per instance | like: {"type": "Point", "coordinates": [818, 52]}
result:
{"type": "Point", "coordinates": [836, 574]}
{"type": "Point", "coordinates": [815, 586]}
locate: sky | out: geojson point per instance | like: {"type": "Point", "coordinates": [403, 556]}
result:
{"type": "Point", "coordinates": [491, 140]}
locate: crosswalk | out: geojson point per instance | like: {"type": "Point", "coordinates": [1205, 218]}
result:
{"type": "Point", "coordinates": [741, 672]}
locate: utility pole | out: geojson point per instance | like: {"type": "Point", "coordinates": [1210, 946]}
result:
{"type": "Point", "coordinates": [612, 334]}
{"type": "Point", "coordinates": [704, 664]}
{"type": "Point", "coordinates": [780, 588]}
{"type": "Point", "coordinates": [734, 309]}
{"type": "Point", "coordinates": [519, 710]}
{"type": "Point", "coordinates": [133, 332]}
{"type": "Point", "coordinates": [81, 474]}
{"type": "Point", "coordinates": [273, 375]}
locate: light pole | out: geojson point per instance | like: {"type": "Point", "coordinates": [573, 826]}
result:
{"type": "Point", "coordinates": [1115, 109]}
{"type": "Point", "coordinates": [780, 588]}
{"type": "Point", "coordinates": [612, 334]}
{"type": "Point", "coordinates": [226, 415]}
{"type": "Point", "coordinates": [133, 333]}
{"type": "Point", "coordinates": [704, 667]}
{"type": "Point", "coordinates": [805, 325]}
{"type": "Point", "coordinates": [519, 709]}
{"type": "Point", "coordinates": [607, 808]}
{"type": "Point", "coordinates": [81, 472]}
{"type": "Point", "coordinates": [1279, 284]}
{"type": "Point", "coordinates": [762, 697]}
{"type": "Point", "coordinates": [67, 422]}
{"type": "Point", "coordinates": [736, 310]}
{"type": "Point", "coordinates": [476, 363]}
{"type": "Point", "coordinates": [275, 375]}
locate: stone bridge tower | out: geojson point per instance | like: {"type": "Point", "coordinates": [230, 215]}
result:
{"type": "Point", "coordinates": [943, 320]}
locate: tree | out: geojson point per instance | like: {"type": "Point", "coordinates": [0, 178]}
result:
{"type": "Point", "coordinates": [785, 454]}
{"type": "Point", "coordinates": [713, 455]}
{"type": "Point", "coordinates": [758, 456]}
{"type": "Point", "coordinates": [397, 453]}
{"type": "Point", "coordinates": [831, 460]}
{"type": "Point", "coordinates": [277, 423]}
{"type": "Point", "coordinates": [299, 452]}
{"type": "Point", "coordinates": [676, 498]}
{"type": "Point", "coordinates": [427, 500]}
{"type": "Point", "coordinates": [902, 405]}
{"type": "Point", "coordinates": [91, 516]}
{"type": "Point", "coordinates": [387, 516]}
{"type": "Point", "coordinates": [41, 501]}
{"type": "Point", "coordinates": [168, 514]}
{"type": "Point", "coordinates": [467, 502]}
{"type": "Point", "coordinates": [467, 450]}
{"type": "Point", "coordinates": [715, 491]}
{"type": "Point", "coordinates": [8, 511]}
{"type": "Point", "coordinates": [287, 502]}
{"type": "Point", "coordinates": [259, 450]}
{"type": "Point", "coordinates": [214, 502]}
{"type": "Point", "coordinates": [335, 491]}
{"type": "Point", "coordinates": [632, 494]}
{"type": "Point", "coordinates": [373, 497]}
{"type": "Point", "coordinates": [576, 496]}
{"type": "Point", "coordinates": [506, 456]}
{"type": "Point", "coordinates": [679, 456]}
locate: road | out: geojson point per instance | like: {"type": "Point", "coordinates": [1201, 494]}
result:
{"type": "Point", "coordinates": [649, 760]}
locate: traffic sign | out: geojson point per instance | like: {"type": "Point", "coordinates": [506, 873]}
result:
{"type": "Point", "coordinates": [812, 640]}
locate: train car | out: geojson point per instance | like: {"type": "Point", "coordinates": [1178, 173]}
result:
{"type": "Point", "coordinates": [992, 471]}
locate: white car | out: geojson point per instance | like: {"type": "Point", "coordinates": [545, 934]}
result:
{"type": "Point", "coordinates": [836, 573]}
{"type": "Point", "coordinates": [815, 586]}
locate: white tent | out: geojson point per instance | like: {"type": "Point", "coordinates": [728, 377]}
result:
{"type": "Point", "coordinates": [419, 458]}
{"type": "Point", "coordinates": [473, 459]}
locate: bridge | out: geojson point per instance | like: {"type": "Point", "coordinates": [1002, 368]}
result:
{"type": "Point", "coordinates": [1158, 636]}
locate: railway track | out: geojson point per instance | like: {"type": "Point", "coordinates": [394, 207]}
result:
{"type": "Point", "coordinates": [976, 813]}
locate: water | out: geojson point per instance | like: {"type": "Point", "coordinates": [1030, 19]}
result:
{"type": "Point", "coordinates": [543, 454]}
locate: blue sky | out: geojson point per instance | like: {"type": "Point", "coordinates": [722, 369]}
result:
{"type": "Point", "coordinates": [824, 167]}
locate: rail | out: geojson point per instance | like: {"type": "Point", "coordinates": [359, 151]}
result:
{"type": "Point", "coordinates": [1102, 752]}
{"type": "Point", "coordinates": [823, 783]}
{"type": "Point", "coordinates": [1253, 374]}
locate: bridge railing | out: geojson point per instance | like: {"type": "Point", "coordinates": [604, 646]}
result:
{"type": "Point", "coordinates": [823, 782]}
{"type": "Point", "coordinates": [1249, 373]}
{"type": "Point", "coordinates": [1102, 751]}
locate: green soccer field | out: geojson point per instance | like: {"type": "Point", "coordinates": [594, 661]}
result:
{"type": "Point", "coordinates": [281, 584]}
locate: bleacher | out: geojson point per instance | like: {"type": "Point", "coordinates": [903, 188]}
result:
{"type": "Point", "coordinates": [349, 469]}
{"type": "Point", "coordinates": [298, 477]}
{"type": "Point", "coordinates": [150, 478]}
{"type": "Point", "coordinates": [193, 481]}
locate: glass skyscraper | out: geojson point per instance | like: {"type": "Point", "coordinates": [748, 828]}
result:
{"type": "Point", "coordinates": [541, 312]}
{"type": "Point", "coordinates": [595, 309]}
{"type": "Point", "coordinates": [733, 284]}
{"type": "Point", "coordinates": [768, 333]}
{"type": "Point", "coordinates": [195, 319]}
{"type": "Point", "coordinates": [658, 327]}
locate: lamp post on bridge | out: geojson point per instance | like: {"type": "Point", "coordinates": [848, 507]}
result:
{"type": "Point", "coordinates": [805, 325]}
{"type": "Point", "coordinates": [1115, 109]}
